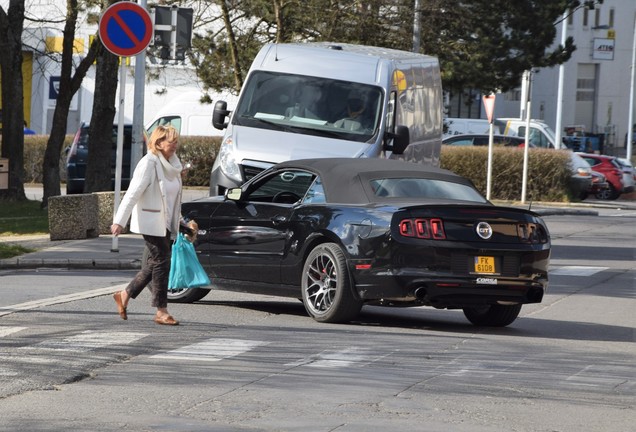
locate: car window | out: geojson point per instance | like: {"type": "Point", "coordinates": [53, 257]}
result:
{"type": "Point", "coordinates": [174, 121]}
{"type": "Point", "coordinates": [460, 142]}
{"type": "Point", "coordinates": [316, 193]}
{"type": "Point", "coordinates": [287, 187]}
{"type": "Point", "coordinates": [424, 188]}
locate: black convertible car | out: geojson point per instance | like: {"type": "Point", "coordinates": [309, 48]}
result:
{"type": "Point", "coordinates": [342, 233]}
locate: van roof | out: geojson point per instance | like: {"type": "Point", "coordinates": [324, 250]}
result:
{"type": "Point", "coordinates": [339, 61]}
{"type": "Point", "coordinates": [385, 53]}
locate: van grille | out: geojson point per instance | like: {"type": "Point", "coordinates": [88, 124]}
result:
{"type": "Point", "coordinates": [251, 171]}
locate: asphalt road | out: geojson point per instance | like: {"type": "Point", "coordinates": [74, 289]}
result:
{"type": "Point", "coordinates": [252, 363]}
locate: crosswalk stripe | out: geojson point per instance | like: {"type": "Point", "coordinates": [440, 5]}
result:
{"type": "Point", "coordinates": [90, 340]}
{"type": "Point", "coordinates": [576, 270]}
{"type": "Point", "coordinates": [211, 350]}
{"type": "Point", "coordinates": [6, 331]}
{"type": "Point", "coordinates": [336, 359]}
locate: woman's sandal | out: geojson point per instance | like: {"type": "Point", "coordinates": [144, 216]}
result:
{"type": "Point", "coordinates": [120, 305]}
{"type": "Point", "coordinates": [166, 320]}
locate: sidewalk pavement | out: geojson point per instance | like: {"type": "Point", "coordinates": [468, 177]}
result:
{"type": "Point", "coordinates": [93, 253]}
{"type": "Point", "coordinates": [97, 253]}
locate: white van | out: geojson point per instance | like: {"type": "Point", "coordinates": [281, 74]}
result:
{"type": "Point", "coordinates": [312, 100]}
{"type": "Point", "coordinates": [541, 135]}
{"type": "Point", "coordinates": [188, 115]}
{"type": "Point", "coordinates": [461, 126]}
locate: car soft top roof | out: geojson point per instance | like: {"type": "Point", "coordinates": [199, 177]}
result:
{"type": "Point", "coordinates": [346, 180]}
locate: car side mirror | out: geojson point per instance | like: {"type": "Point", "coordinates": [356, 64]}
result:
{"type": "Point", "coordinates": [233, 194]}
{"type": "Point", "coordinates": [220, 114]}
{"type": "Point", "coordinates": [401, 139]}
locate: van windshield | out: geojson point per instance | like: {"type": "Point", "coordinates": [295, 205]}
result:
{"type": "Point", "coordinates": [310, 105]}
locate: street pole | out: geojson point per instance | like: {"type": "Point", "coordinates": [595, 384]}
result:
{"type": "Point", "coordinates": [559, 109]}
{"type": "Point", "coordinates": [528, 93]}
{"type": "Point", "coordinates": [630, 124]}
{"type": "Point", "coordinates": [136, 150]}
{"type": "Point", "coordinates": [120, 144]}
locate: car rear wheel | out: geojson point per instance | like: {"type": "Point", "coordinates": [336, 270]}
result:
{"type": "Point", "coordinates": [326, 286]}
{"type": "Point", "coordinates": [183, 295]}
{"type": "Point", "coordinates": [493, 315]}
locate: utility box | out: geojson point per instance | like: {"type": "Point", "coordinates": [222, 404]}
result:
{"type": "Point", "coordinates": [4, 173]}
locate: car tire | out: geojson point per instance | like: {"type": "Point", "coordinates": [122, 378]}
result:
{"type": "Point", "coordinates": [327, 292]}
{"type": "Point", "coordinates": [184, 295]}
{"type": "Point", "coordinates": [492, 315]}
{"type": "Point", "coordinates": [608, 194]}
{"type": "Point", "coordinates": [187, 295]}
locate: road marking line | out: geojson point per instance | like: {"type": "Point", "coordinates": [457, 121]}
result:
{"type": "Point", "coordinates": [6, 331]}
{"type": "Point", "coordinates": [6, 310]}
{"type": "Point", "coordinates": [576, 270]}
{"type": "Point", "coordinates": [90, 340]}
{"type": "Point", "coordinates": [336, 359]}
{"type": "Point", "coordinates": [211, 350]}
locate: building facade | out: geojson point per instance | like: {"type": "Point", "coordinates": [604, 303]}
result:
{"type": "Point", "coordinates": [597, 78]}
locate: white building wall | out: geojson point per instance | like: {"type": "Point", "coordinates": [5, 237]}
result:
{"type": "Point", "coordinates": [611, 102]}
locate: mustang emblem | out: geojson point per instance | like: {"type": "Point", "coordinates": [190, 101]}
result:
{"type": "Point", "coordinates": [484, 230]}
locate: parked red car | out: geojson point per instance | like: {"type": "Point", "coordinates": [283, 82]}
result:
{"type": "Point", "coordinates": [611, 169]}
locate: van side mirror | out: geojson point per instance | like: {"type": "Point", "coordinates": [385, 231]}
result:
{"type": "Point", "coordinates": [220, 114]}
{"type": "Point", "coordinates": [401, 140]}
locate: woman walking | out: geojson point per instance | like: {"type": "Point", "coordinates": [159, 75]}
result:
{"type": "Point", "coordinates": [154, 201]}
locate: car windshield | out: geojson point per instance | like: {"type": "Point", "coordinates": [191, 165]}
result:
{"type": "Point", "coordinates": [310, 105]}
{"type": "Point", "coordinates": [425, 188]}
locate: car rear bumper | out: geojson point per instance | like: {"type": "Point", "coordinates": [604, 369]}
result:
{"type": "Point", "coordinates": [446, 291]}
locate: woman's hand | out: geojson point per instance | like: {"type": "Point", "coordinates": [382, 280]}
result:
{"type": "Point", "coordinates": [116, 229]}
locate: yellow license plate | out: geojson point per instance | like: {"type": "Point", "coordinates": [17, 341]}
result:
{"type": "Point", "coordinates": [485, 264]}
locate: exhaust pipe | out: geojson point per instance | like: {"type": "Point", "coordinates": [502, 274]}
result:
{"type": "Point", "coordinates": [420, 293]}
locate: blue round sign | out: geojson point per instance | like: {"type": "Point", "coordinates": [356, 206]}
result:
{"type": "Point", "coordinates": [125, 29]}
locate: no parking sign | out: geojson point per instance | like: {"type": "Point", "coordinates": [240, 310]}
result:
{"type": "Point", "coordinates": [125, 29]}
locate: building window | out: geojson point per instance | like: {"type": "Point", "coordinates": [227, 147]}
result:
{"type": "Point", "coordinates": [570, 17]}
{"type": "Point", "coordinates": [611, 18]}
{"type": "Point", "coordinates": [513, 95]}
{"type": "Point", "coordinates": [585, 89]}
{"type": "Point", "coordinates": [585, 17]}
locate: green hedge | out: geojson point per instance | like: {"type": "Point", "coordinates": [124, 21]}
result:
{"type": "Point", "coordinates": [197, 150]}
{"type": "Point", "coordinates": [200, 152]}
{"type": "Point", "coordinates": [548, 170]}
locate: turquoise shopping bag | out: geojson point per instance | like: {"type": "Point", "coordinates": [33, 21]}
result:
{"type": "Point", "coordinates": [185, 269]}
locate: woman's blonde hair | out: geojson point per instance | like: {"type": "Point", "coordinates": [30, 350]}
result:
{"type": "Point", "coordinates": [168, 133]}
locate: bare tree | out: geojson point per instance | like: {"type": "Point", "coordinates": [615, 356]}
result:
{"type": "Point", "coordinates": [11, 25]}
{"type": "Point", "coordinates": [69, 85]}
{"type": "Point", "coordinates": [100, 131]}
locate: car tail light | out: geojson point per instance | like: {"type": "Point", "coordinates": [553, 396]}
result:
{"type": "Point", "coordinates": [73, 150]}
{"type": "Point", "coordinates": [423, 228]}
{"type": "Point", "coordinates": [532, 233]}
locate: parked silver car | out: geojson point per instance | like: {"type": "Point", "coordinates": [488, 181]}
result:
{"type": "Point", "coordinates": [629, 174]}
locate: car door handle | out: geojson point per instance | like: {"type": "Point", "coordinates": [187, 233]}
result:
{"type": "Point", "coordinates": [279, 219]}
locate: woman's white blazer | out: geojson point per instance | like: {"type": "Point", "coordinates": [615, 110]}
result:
{"type": "Point", "coordinates": [145, 199]}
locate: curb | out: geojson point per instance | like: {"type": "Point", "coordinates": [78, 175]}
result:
{"type": "Point", "coordinates": [77, 264]}
{"type": "Point", "coordinates": [560, 211]}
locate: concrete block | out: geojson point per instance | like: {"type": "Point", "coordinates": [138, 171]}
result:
{"type": "Point", "coordinates": [73, 217]}
{"type": "Point", "coordinates": [105, 207]}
